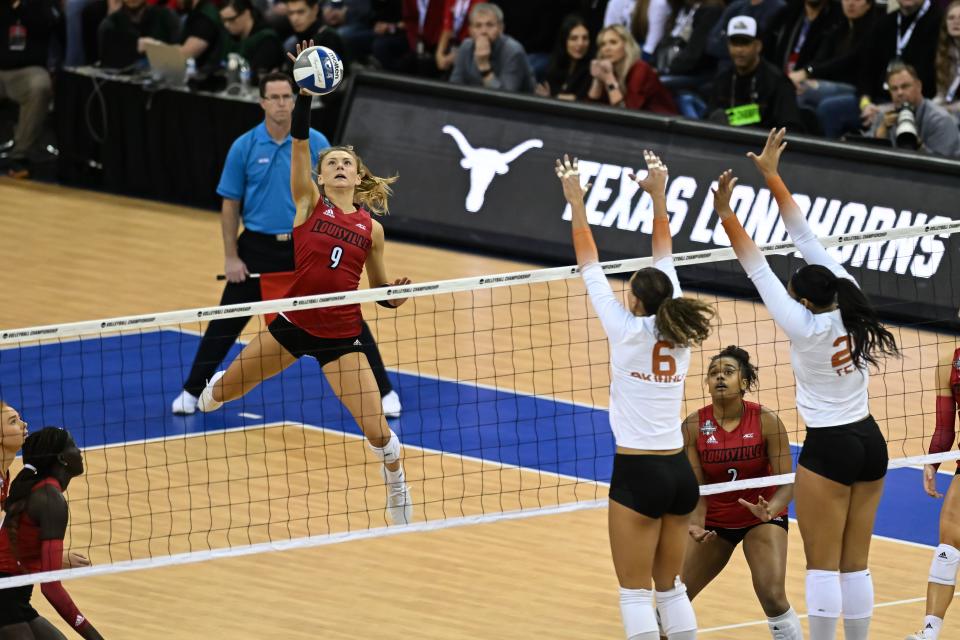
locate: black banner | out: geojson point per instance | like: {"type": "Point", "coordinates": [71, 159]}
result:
{"type": "Point", "coordinates": [478, 172]}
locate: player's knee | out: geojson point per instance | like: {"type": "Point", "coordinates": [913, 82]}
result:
{"type": "Point", "coordinates": [676, 612]}
{"type": "Point", "coordinates": [943, 567]}
{"type": "Point", "coordinates": [385, 447]}
{"type": "Point", "coordinates": [773, 601]}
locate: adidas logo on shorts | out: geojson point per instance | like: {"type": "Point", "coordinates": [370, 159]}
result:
{"type": "Point", "coordinates": [357, 343]}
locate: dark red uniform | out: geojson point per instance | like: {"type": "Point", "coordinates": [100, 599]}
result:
{"type": "Point", "coordinates": [330, 249]}
{"type": "Point", "coordinates": [33, 555]}
{"type": "Point", "coordinates": [734, 455]}
{"type": "Point", "coordinates": [945, 432]}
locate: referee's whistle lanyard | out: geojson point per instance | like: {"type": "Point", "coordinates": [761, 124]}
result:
{"type": "Point", "coordinates": [904, 39]}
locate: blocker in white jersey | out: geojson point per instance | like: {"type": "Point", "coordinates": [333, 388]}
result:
{"type": "Point", "coordinates": [652, 488]}
{"type": "Point", "coordinates": [835, 337]}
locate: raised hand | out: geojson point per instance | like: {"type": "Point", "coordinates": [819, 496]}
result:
{"type": "Point", "coordinates": [655, 183]}
{"type": "Point", "coordinates": [399, 282]}
{"type": "Point", "coordinates": [699, 534]}
{"type": "Point", "coordinates": [569, 173]}
{"type": "Point", "coordinates": [930, 481]}
{"type": "Point", "coordinates": [769, 159]}
{"type": "Point", "coordinates": [761, 509]}
{"type": "Point", "coordinates": [721, 195]}
{"type": "Point", "coordinates": [306, 44]}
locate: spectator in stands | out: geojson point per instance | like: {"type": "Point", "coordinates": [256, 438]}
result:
{"type": "Point", "coordinates": [351, 19]}
{"type": "Point", "coordinates": [456, 29]}
{"type": "Point", "coordinates": [120, 32]}
{"type": "Point", "coordinates": [762, 11]}
{"type": "Point", "coordinates": [795, 34]}
{"type": "Point", "coordinates": [308, 25]}
{"type": "Point", "coordinates": [646, 20]}
{"type": "Point", "coordinates": [754, 92]}
{"type": "Point", "coordinates": [390, 46]}
{"type": "Point", "coordinates": [934, 130]}
{"type": "Point", "coordinates": [622, 79]}
{"type": "Point", "coordinates": [831, 77]}
{"type": "Point", "coordinates": [681, 58]}
{"type": "Point", "coordinates": [423, 25]}
{"type": "Point", "coordinates": [203, 37]}
{"type": "Point", "coordinates": [259, 45]}
{"type": "Point", "coordinates": [490, 58]}
{"type": "Point", "coordinates": [908, 35]}
{"type": "Point", "coordinates": [568, 76]}
{"type": "Point", "coordinates": [948, 60]}
{"type": "Point", "coordinates": [535, 25]}
{"type": "Point", "coordinates": [27, 30]}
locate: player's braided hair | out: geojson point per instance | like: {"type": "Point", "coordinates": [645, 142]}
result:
{"type": "Point", "coordinates": [373, 192]}
{"type": "Point", "coordinates": [684, 322]}
{"type": "Point", "coordinates": [748, 372]}
{"type": "Point", "coordinates": [869, 339]}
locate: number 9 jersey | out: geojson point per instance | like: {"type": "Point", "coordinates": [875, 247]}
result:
{"type": "Point", "coordinates": [330, 249]}
{"type": "Point", "coordinates": [646, 373]}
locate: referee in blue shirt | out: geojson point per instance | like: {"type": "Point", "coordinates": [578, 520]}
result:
{"type": "Point", "coordinates": [255, 187]}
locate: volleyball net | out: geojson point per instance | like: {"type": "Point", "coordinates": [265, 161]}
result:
{"type": "Point", "coordinates": [504, 381]}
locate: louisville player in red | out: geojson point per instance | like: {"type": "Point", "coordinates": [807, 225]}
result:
{"type": "Point", "coordinates": [734, 439]}
{"type": "Point", "coordinates": [942, 581]}
{"type": "Point", "coordinates": [31, 538]}
{"type": "Point", "coordinates": [334, 239]}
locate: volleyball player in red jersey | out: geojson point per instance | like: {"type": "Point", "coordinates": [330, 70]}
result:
{"type": "Point", "coordinates": [734, 439]}
{"type": "Point", "coordinates": [942, 581]}
{"type": "Point", "coordinates": [31, 538]}
{"type": "Point", "coordinates": [13, 431]}
{"type": "Point", "coordinates": [334, 238]}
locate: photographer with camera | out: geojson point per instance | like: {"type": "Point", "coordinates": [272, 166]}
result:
{"type": "Point", "coordinates": [916, 123]}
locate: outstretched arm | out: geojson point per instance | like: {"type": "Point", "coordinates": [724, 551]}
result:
{"type": "Point", "coordinates": [613, 316]}
{"type": "Point", "coordinates": [302, 187]}
{"type": "Point", "coordinates": [655, 183]}
{"type": "Point", "coordinates": [48, 507]}
{"type": "Point", "coordinates": [768, 164]}
{"type": "Point", "coordinates": [795, 319]}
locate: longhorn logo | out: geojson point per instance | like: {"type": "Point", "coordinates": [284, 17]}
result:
{"type": "Point", "coordinates": [484, 164]}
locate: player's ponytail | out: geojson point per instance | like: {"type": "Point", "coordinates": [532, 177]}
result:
{"type": "Point", "coordinates": [684, 322]}
{"type": "Point", "coordinates": [869, 339]}
{"type": "Point", "coordinates": [40, 452]}
{"type": "Point", "coordinates": [373, 192]}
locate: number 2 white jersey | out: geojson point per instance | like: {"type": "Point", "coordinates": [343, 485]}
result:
{"type": "Point", "coordinates": [646, 373]}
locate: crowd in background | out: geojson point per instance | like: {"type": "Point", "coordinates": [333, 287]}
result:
{"type": "Point", "coordinates": [848, 68]}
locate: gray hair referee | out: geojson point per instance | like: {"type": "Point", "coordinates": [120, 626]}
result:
{"type": "Point", "coordinates": [255, 187]}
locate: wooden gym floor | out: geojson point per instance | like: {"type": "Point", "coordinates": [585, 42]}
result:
{"type": "Point", "coordinates": [74, 255]}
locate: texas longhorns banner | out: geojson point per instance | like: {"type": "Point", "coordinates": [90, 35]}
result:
{"type": "Point", "coordinates": [481, 175]}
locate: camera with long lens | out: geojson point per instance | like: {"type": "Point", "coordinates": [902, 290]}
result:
{"type": "Point", "coordinates": [906, 129]}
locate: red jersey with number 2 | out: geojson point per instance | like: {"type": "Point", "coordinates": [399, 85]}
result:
{"type": "Point", "coordinates": [330, 249]}
{"type": "Point", "coordinates": [733, 455]}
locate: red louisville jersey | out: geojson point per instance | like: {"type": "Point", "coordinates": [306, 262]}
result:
{"type": "Point", "coordinates": [330, 249]}
{"type": "Point", "coordinates": [733, 455]}
{"type": "Point", "coordinates": [26, 557]}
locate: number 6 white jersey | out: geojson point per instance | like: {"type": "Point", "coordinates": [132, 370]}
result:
{"type": "Point", "coordinates": [646, 372]}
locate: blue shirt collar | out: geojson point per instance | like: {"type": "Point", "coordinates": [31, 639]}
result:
{"type": "Point", "coordinates": [260, 134]}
